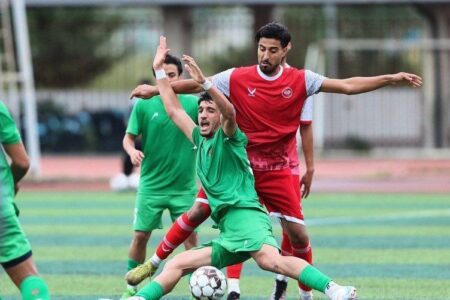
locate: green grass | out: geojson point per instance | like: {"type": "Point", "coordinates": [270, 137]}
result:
{"type": "Point", "coordinates": [391, 246]}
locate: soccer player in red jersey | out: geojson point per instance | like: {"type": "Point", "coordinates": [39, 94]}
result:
{"type": "Point", "coordinates": [269, 100]}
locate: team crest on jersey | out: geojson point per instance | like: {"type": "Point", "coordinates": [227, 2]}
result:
{"type": "Point", "coordinates": [251, 92]}
{"type": "Point", "coordinates": [287, 93]}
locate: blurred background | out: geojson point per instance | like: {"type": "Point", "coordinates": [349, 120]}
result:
{"type": "Point", "coordinates": [68, 66]}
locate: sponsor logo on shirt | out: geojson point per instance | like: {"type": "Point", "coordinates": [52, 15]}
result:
{"type": "Point", "coordinates": [287, 93]}
{"type": "Point", "coordinates": [155, 115]}
{"type": "Point", "coordinates": [251, 92]}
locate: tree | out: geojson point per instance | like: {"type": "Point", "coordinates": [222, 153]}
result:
{"type": "Point", "coordinates": [68, 44]}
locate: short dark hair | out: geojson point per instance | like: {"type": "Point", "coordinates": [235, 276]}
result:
{"type": "Point", "coordinates": [172, 60]}
{"type": "Point", "coordinates": [204, 97]}
{"type": "Point", "coordinates": [274, 30]}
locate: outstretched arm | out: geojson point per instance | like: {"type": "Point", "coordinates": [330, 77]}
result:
{"type": "Point", "coordinates": [358, 85]}
{"type": "Point", "coordinates": [170, 100]}
{"type": "Point", "coordinates": [186, 86]}
{"type": "Point", "coordinates": [225, 107]}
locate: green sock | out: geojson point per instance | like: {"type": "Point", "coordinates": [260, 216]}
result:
{"type": "Point", "coordinates": [313, 278]}
{"type": "Point", "coordinates": [132, 264]}
{"type": "Point", "coordinates": [152, 291]}
{"type": "Point", "coordinates": [34, 287]}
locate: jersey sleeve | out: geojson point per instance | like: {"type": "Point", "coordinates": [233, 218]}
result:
{"type": "Point", "coordinates": [313, 82]}
{"type": "Point", "coordinates": [306, 116]}
{"type": "Point", "coordinates": [222, 81]}
{"type": "Point", "coordinates": [9, 134]}
{"type": "Point", "coordinates": [238, 138]}
{"type": "Point", "coordinates": [133, 126]}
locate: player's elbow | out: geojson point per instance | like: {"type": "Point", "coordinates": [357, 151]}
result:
{"type": "Point", "coordinates": [22, 163]}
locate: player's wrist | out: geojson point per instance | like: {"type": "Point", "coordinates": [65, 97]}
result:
{"type": "Point", "coordinates": [160, 73]}
{"type": "Point", "coordinates": [207, 84]}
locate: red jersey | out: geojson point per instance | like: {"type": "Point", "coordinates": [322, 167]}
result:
{"type": "Point", "coordinates": [268, 110]}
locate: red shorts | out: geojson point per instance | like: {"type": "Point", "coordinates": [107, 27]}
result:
{"type": "Point", "coordinates": [279, 192]}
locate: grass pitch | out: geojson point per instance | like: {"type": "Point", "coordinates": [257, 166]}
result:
{"type": "Point", "coordinates": [390, 246]}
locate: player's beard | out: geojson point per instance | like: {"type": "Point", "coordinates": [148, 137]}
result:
{"type": "Point", "coordinates": [267, 68]}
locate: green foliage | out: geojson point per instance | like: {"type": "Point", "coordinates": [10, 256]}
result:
{"type": "Point", "coordinates": [69, 44]}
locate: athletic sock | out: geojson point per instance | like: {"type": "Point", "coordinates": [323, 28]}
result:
{"type": "Point", "coordinates": [313, 278]}
{"type": "Point", "coordinates": [33, 288]}
{"type": "Point", "coordinates": [304, 253]}
{"type": "Point", "coordinates": [234, 271]}
{"type": "Point", "coordinates": [281, 277]}
{"type": "Point", "coordinates": [155, 260]}
{"type": "Point", "coordinates": [131, 264]}
{"type": "Point", "coordinates": [233, 285]}
{"type": "Point", "coordinates": [152, 291]}
{"type": "Point", "coordinates": [286, 247]}
{"type": "Point", "coordinates": [181, 229]}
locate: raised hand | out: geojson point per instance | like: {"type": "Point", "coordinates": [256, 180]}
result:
{"type": "Point", "coordinates": [161, 52]}
{"type": "Point", "coordinates": [193, 69]}
{"type": "Point", "coordinates": [408, 78]}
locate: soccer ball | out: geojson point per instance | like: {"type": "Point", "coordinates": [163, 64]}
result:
{"type": "Point", "coordinates": [207, 283]}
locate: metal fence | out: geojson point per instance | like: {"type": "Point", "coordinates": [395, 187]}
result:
{"type": "Point", "coordinates": [223, 37]}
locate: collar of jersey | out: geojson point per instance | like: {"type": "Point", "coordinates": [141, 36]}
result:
{"type": "Point", "coordinates": [269, 78]}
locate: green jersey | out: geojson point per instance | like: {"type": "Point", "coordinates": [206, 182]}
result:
{"type": "Point", "coordinates": [9, 134]}
{"type": "Point", "coordinates": [224, 171]}
{"type": "Point", "coordinates": [169, 163]}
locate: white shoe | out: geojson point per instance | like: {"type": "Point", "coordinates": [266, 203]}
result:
{"type": "Point", "coordinates": [119, 182]}
{"type": "Point", "coordinates": [306, 295]}
{"type": "Point", "coordinates": [136, 298]}
{"type": "Point", "coordinates": [345, 293]}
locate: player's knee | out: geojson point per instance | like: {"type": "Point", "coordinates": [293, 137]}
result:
{"type": "Point", "coordinates": [268, 263]}
{"type": "Point", "coordinates": [141, 238]}
{"type": "Point", "coordinates": [299, 237]}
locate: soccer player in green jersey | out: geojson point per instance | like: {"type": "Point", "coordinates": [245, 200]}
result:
{"type": "Point", "coordinates": [15, 250]}
{"type": "Point", "coordinates": [167, 163]}
{"type": "Point", "coordinates": [224, 171]}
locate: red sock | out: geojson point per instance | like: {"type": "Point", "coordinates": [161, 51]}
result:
{"type": "Point", "coordinates": [306, 254]}
{"type": "Point", "coordinates": [181, 229]}
{"type": "Point", "coordinates": [234, 271]}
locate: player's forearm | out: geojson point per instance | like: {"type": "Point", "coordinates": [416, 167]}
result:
{"type": "Point", "coordinates": [358, 85]}
{"type": "Point", "coordinates": [187, 86]}
{"type": "Point", "coordinates": [225, 107]}
{"type": "Point", "coordinates": [168, 96]}
{"type": "Point", "coordinates": [306, 133]}
{"type": "Point", "coordinates": [128, 144]}
{"type": "Point", "coordinates": [18, 171]}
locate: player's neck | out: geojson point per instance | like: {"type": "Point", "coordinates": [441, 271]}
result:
{"type": "Point", "coordinates": [276, 74]}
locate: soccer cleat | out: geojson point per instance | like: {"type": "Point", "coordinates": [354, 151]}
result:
{"type": "Point", "coordinates": [130, 292]}
{"type": "Point", "coordinates": [136, 275]}
{"type": "Point", "coordinates": [233, 296]}
{"type": "Point", "coordinates": [306, 295]}
{"type": "Point", "coordinates": [279, 290]}
{"type": "Point", "coordinates": [345, 293]}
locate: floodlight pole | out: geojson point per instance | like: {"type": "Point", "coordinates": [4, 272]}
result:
{"type": "Point", "coordinates": [27, 81]}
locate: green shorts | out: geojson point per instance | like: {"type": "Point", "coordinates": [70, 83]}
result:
{"type": "Point", "coordinates": [242, 230]}
{"type": "Point", "coordinates": [13, 242]}
{"type": "Point", "coordinates": [149, 209]}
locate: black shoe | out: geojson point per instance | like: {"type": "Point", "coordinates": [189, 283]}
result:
{"type": "Point", "coordinates": [234, 296]}
{"type": "Point", "coordinates": [279, 290]}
